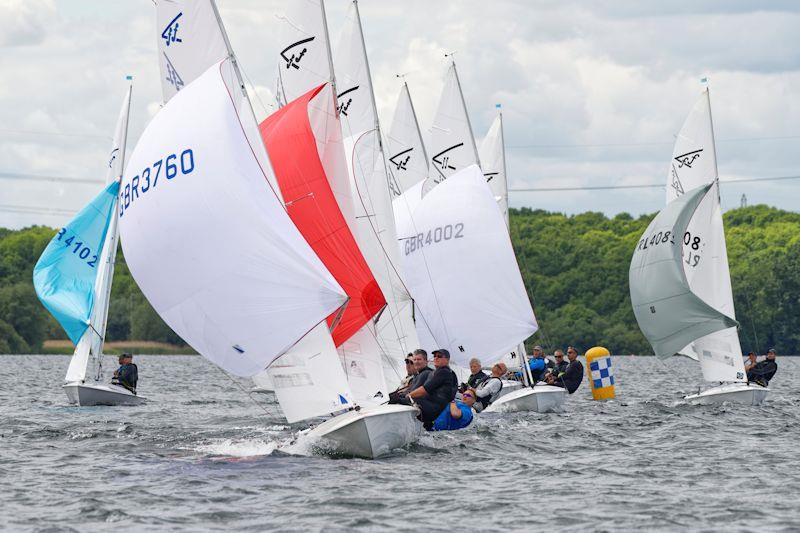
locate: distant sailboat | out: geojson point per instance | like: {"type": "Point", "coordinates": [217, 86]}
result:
{"type": "Point", "coordinates": [679, 276]}
{"type": "Point", "coordinates": [73, 280]}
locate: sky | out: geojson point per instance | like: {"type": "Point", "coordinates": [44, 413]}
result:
{"type": "Point", "coordinates": [592, 93]}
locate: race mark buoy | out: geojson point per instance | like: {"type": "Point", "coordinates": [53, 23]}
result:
{"type": "Point", "coordinates": [601, 376]}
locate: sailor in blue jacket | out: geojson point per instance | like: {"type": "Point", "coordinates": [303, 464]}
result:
{"type": "Point", "coordinates": [457, 415]}
{"type": "Point", "coordinates": [538, 364]}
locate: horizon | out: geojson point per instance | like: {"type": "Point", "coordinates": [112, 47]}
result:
{"type": "Point", "coordinates": [586, 100]}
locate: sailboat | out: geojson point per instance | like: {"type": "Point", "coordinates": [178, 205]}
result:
{"type": "Point", "coordinates": [285, 302]}
{"type": "Point", "coordinates": [73, 280]}
{"type": "Point", "coordinates": [679, 277]}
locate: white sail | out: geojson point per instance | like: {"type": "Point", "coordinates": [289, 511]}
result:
{"type": "Point", "coordinates": [304, 56]}
{"type": "Point", "coordinates": [374, 220]}
{"type": "Point", "coordinates": [308, 379]}
{"type": "Point", "coordinates": [190, 40]}
{"type": "Point", "coordinates": [209, 243]}
{"type": "Point", "coordinates": [454, 240]}
{"type": "Point", "coordinates": [407, 159]}
{"type": "Point", "coordinates": [493, 164]}
{"type": "Point", "coordinates": [90, 347]}
{"type": "Point", "coordinates": [360, 357]}
{"type": "Point", "coordinates": [694, 164]}
{"type": "Point", "coordinates": [452, 145]}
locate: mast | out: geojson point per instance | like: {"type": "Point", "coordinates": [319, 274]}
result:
{"type": "Point", "coordinates": [369, 77]}
{"type": "Point", "coordinates": [505, 167]}
{"type": "Point", "coordinates": [416, 122]}
{"type": "Point", "coordinates": [713, 142]}
{"type": "Point", "coordinates": [108, 275]}
{"type": "Point", "coordinates": [466, 113]}
{"type": "Point", "coordinates": [330, 55]}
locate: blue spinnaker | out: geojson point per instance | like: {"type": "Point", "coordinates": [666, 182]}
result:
{"type": "Point", "coordinates": [65, 275]}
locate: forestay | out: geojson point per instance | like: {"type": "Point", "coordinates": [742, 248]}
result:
{"type": "Point", "coordinates": [407, 159]}
{"type": "Point", "coordinates": [209, 242]}
{"type": "Point", "coordinates": [374, 219]}
{"type": "Point", "coordinates": [462, 272]}
{"type": "Point", "coordinates": [694, 164]}
{"type": "Point", "coordinates": [452, 142]}
{"type": "Point", "coordinates": [493, 163]}
{"type": "Point", "coordinates": [669, 314]}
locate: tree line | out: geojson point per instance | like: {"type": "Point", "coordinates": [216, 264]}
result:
{"type": "Point", "coordinates": [574, 267]}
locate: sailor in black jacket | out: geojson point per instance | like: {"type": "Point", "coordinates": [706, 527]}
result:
{"type": "Point", "coordinates": [572, 377]}
{"type": "Point", "coordinates": [438, 391]}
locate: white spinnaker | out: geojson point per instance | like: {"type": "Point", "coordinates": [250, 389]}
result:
{"type": "Point", "coordinates": [694, 164]}
{"type": "Point", "coordinates": [91, 344]}
{"type": "Point", "coordinates": [374, 220]}
{"type": "Point", "coordinates": [452, 145]}
{"type": "Point", "coordinates": [213, 248]}
{"type": "Point", "coordinates": [308, 379]}
{"type": "Point", "coordinates": [493, 164]}
{"type": "Point", "coordinates": [407, 159]}
{"type": "Point", "coordinates": [190, 40]}
{"type": "Point", "coordinates": [304, 55]}
{"type": "Point", "coordinates": [462, 272]}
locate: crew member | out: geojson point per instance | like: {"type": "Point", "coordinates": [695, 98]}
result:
{"type": "Point", "coordinates": [127, 375]}
{"type": "Point", "coordinates": [477, 376]}
{"type": "Point", "coordinates": [561, 364]}
{"type": "Point", "coordinates": [490, 389]}
{"type": "Point", "coordinates": [538, 364]}
{"type": "Point", "coordinates": [438, 391]}
{"type": "Point", "coordinates": [572, 377]}
{"type": "Point", "coordinates": [420, 361]}
{"type": "Point", "coordinates": [405, 384]}
{"type": "Point", "coordinates": [457, 415]}
{"type": "Point", "coordinates": [761, 372]}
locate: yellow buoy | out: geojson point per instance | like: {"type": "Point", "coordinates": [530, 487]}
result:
{"type": "Point", "coordinates": [601, 376]}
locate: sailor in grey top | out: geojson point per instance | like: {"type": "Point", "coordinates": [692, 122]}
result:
{"type": "Point", "coordinates": [489, 390]}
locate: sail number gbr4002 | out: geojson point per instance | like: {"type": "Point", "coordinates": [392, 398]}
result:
{"type": "Point", "coordinates": [147, 180]}
{"type": "Point", "coordinates": [433, 236]}
{"type": "Point", "coordinates": [691, 243]}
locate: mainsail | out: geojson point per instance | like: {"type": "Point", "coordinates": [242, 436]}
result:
{"type": "Point", "coordinates": [451, 243]}
{"type": "Point", "coordinates": [408, 161]}
{"type": "Point", "coordinates": [670, 314]}
{"type": "Point", "coordinates": [452, 142]}
{"type": "Point", "coordinates": [209, 243]}
{"type": "Point", "coordinates": [493, 163]}
{"type": "Point", "coordinates": [374, 218]}
{"type": "Point", "coordinates": [693, 164]}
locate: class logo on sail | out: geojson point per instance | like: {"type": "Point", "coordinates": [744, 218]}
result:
{"type": "Point", "coordinates": [292, 54]}
{"type": "Point", "coordinates": [172, 75]}
{"type": "Point", "coordinates": [170, 33]}
{"type": "Point", "coordinates": [489, 176]}
{"type": "Point", "coordinates": [113, 157]}
{"type": "Point", "coordinates": [345, 105]}
{"type": "Point", "coordinates": [675, 183]}
{"type": "Point", "coordinates": [400, 162]}
{"type": "Point", "coordinates": [687, 159]}
{"type": "Point", "coordinates": [442, 159]}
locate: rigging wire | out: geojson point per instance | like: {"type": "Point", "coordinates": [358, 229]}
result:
{"type": "Point", "coordinates": [641, 185]}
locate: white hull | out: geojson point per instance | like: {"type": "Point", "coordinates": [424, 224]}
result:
{"type": "Point", "coordinates": [84, 394]}
{"type": "Point", "coordinates": [370, 432]}
{"type": "Point", "coordinates": [744, 393]}
{"type": "Point", "coordinates": [540, 399]}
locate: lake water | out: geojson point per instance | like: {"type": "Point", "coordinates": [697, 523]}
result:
{"type": "Point", "coordinates": [202, 454]}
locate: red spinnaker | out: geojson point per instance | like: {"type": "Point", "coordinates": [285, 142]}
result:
{"type": "Point", "coordinates": [312, 207]}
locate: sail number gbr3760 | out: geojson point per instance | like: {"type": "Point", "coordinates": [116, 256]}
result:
{"type": "Point", "coordinates": [167, 168]}
{"type": "Point", "coordinates": [434, 236]}
{"type": "Point", "coordinates": [692, 245]}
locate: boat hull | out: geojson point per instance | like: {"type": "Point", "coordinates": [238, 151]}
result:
{"type": "Point", "coordinates": [84, 394]}
{"type": "Point", "coordinates": [743, 393]}
{"type": "Point", "coordinates": [370, 433]}
{"type": "Point", "coordinates": [540, 399]}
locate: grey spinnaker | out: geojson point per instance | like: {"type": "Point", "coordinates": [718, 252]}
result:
{"type": "Point", "coordinates": [669, 314]}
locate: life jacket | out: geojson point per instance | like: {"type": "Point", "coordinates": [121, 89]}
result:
{"type": "Point", "coordinates": [486, 401]}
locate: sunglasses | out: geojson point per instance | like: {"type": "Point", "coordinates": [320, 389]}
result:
{"type": "Point", "coordinates": [409, 362]}
{"type": "Point", "coordinates": [467, 395]}
{"type": "Point", "coordinates": [440, 356]}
